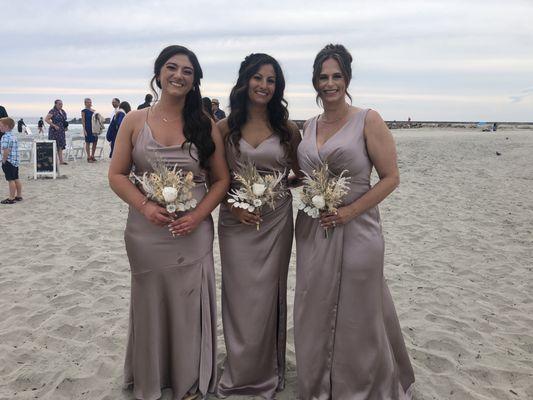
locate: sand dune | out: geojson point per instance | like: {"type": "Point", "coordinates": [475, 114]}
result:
{"type": "Point", "coordinates": [459, 251]}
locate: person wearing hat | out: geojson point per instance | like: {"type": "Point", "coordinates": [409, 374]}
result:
{"type": "Point", "coordinates": [217, 112]}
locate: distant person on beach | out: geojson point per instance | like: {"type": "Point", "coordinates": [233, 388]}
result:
{"type": "Point", "coordinates": [10, 160]}
{"type": "Point", "coordinates": [494, 127]}
{"type": "Point", "coordinates": [347, 336]}
{"type": "Point", "coordinates": [173, 325]}
{"type": "Point", "coordinates": [147, 102]}
{"type": "Point", "coordinates": [91, 139]}
{"type": "Point", "coordinates": [20, 125]}
{"type": "Point", "coordinates": [217, 112]}
{"type": "Point", "coordinates": [40, 126]}
{"type": "Point", "coordinates": [116, 104]}
{"type": "Point", "coordinates": [206, 102]}
{"type": "Point", "coordinates": [115, 123]}
{"type": "Point", "coordinates": [57, 121]}
{"type": "Point", "coordinates": [112, 129]}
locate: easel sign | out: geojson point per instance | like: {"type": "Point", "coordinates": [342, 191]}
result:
{"type": "Point", "coordinates": [44, 158]}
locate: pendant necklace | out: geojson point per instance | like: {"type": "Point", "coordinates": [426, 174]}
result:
{"type": "Point", "coordinates": [166, 120]}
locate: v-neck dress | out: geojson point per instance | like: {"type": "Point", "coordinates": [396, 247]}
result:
{"type": "Point", "coordinates": [348, 340]}
{"type": "Point", "coordinates": [254, 282]}
{"type": "Point", "coordinates": [172, 335]}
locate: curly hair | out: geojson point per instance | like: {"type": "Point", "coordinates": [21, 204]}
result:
{"type": "Point", "coordinates": [197, 125]}
{"type": "Point", "coordinates": [338, 53]}
{"type": "Point", "coordinates": [278, 114]}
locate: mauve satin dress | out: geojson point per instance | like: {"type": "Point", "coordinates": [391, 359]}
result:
{"type": "Point", "coordinates": [172, 336]}
{"type": "Point", "coordinates": [254, 282]}
{"type": "Point", "coordinates": [348, 341]}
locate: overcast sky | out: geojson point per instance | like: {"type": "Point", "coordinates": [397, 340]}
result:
{"type": "Point", "coordinates": [430, 60]}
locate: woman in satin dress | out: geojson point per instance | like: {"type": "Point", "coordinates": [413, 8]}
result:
{"type": "Point", "coordinates": [172, 335]}
{"type": "Point", "coordinates": [255, 261]}
{"type": "Point", "coordinates": [348, 340]}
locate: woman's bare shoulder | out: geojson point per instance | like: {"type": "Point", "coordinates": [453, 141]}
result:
{"type": "Point", "coordinates": [223, 127]}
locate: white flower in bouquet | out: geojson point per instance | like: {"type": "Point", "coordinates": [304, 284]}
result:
{"type": "Point", "coordinates": [255, 190]}
{"type": "Point", "coordinates": [319, 201]}
{"type": "Point", "coordinates": [322, 192]}
{"type": "Point", "coordinates": [170, 194]}
{"type": "Point", "coordinates": [258, 189]}
{"type": "Point", "coordinates": [169, 187]}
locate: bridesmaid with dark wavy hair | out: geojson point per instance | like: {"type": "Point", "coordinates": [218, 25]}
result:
{"type": "Point", "coordinates": [255, 262]}
{"type": "Point", "coordinates": [172, 337]}
{"type": "Point", "coordinates": [348, 340]}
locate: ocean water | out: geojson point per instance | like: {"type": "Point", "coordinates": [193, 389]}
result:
{"type": "Point", "coordinates": [73, 129]}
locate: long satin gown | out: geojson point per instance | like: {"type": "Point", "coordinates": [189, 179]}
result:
{"type": "Point", "coordinates": [172, 335]}
{"type": "Point", "coordinates": [349, 344]}
{"type": "Point", "coordinates": [254, 283]}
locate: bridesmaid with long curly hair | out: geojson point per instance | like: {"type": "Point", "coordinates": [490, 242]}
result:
{"type": "Point", "coordinates": [172, 337]}
{"type": "Point", "coordinates": [255, 262]}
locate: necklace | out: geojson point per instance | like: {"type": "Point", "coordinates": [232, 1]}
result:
{"type": "Point", "coordinates": [335, 120]}
{"type": "Point", "coordinates": [165, 119]}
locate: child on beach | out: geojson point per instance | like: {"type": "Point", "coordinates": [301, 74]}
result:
{"type": "Point", "coordinates": [10, 160]}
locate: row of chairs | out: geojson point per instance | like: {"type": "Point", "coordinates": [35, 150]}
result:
{"type": "Point", "coordinates": [74, 150]}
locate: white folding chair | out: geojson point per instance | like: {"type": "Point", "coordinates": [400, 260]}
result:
{"type": "Point", "coordinates": [100, 145]}
{"type": "Point", "coordinates": [25, 145]}
{"type": "Point", "coordinates": [75, 148]}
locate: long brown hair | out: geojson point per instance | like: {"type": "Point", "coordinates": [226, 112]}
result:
{"type": "Point", "coordinates": [278, 114]}
{"type": "Point", "coordinates": [197, 125]}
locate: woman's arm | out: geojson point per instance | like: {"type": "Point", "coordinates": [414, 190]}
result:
{"type": "Point", "coordinates": [119, 171]}
{"type": "Point", "coordinates": [382, 151]}
{"type": "Point", "coordinates": [223, 128]}
{"type": "Point", "coordinates": [48, 119]}
{"type": "Point", "coordinates": [219, 178]}
{"type": "Point", "coordinates": [83, 123]}
{"type": "Point", "coordinates": [118, 120]}
{"type": "Point", "coordinates": [296, 138]}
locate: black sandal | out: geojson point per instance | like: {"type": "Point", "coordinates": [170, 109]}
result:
{"type": "Point", "coordinates": [18, 198]}
{"type": "Point", "coordinates": [7, 201]}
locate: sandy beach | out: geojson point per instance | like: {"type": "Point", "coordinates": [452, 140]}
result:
{"type": "Point", "coordinates": [459, 263]}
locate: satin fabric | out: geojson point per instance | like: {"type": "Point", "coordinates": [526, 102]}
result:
{"type": "Point", "coordinates": [172, 335]}
{"type": "Point", "coordinates": [254, 282]}
{"type": "Point", "coordinates": [347, 336]}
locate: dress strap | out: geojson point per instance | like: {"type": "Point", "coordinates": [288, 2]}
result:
{"type": "Point", "coordinates": [147, 112]}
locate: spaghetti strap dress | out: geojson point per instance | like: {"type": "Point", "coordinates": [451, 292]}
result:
{"type": "Point", "coordinates": [172, 327]}
{"type": "Point", "coordinates": [348, 340]}
{"type": "Point", "coordinates": [254, 282]}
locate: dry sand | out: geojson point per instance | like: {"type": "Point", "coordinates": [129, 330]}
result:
{"type": "Point", "coordinates": [459, 264]}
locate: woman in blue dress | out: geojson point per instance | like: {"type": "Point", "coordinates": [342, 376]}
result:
{"type": "Point", "coordinates": [86, 122]}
